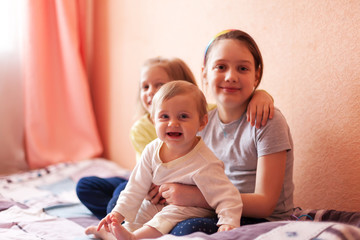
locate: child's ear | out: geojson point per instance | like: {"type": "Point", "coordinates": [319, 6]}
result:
{"type": "Point", "coordinates": [152, 119]}
{"type": "Point", "coordinates": [203, 122]}
{"type": "Point", "coordinates": [203, 74]}
{"type": "Point", "coordinates": [204, 81]}
{"type": "Point", "coordinates": [257, 78]}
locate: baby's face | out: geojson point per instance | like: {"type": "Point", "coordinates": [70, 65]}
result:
{"type": "Point", "coordinates": [177, 122]}
{"type": "Point", "coordinates": [152, 79]}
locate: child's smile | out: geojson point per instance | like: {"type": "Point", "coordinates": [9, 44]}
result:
{"type": "Point", "coordinates": [230, 89]}
{"type": "Point", "coordinates": [177, 122]}
{"type": "Point", "coordinates": [174, 134]}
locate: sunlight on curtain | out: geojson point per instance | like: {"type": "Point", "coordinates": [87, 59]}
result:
{"type": "Point", "coordinates": [12, 156]}
{"type": "Point", "coordinates": [7, 23]}
{"type": "Point", "coordinates": [59, 119]}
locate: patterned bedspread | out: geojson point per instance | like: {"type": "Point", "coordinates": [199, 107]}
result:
{"type": "Point", "coordinates": [42, 204]}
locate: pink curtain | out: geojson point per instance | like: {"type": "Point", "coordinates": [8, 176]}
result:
{"type": "Point", "coordinates": [59, 119]}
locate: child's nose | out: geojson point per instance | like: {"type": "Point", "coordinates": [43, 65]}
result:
{"type": "Point", "coordinates": [173, 123]}
{"type": "Point", "coordinates": [152, 91]}
{"type": "Point", "coordinates": [231, 76]}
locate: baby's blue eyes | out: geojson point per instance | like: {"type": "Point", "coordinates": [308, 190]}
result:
{"type": "Point", "coordinates": [183, 116]}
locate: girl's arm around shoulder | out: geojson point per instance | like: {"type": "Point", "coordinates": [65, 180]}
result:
{"type": "Point", "coordinates": [260, 108]}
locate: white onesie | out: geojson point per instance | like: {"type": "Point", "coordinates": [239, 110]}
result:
{"type": "Point", "coordinates": [199, 167]}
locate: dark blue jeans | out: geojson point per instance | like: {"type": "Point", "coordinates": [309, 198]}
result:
{"type": "Point", "coordinates": [206, 225]}
{"type": "Point", "coordinates": [99, 195]}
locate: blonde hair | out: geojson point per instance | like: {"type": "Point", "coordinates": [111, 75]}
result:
{"type": "Point", "coordinates": [175, 88]}
{"type": "Point", "coordinates": [175, 68]}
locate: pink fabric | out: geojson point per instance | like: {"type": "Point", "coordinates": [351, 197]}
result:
{"type": "Point", "coordinates": [59, 119]}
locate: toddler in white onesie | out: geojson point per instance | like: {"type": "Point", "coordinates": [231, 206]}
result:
{"type": "Point", "coordinates": [176, 156]}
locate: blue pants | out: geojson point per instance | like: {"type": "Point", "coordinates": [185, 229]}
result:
{"type": "Point", "coordinates": [206, 225]}
{"type": "Point", "coordinates": [99, 195]}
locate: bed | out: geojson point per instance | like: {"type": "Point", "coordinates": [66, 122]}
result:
{"type": "Point", "coordinates": [42, 204]}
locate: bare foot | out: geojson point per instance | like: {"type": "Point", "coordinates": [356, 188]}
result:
{"type": "Point", "coordinates": [102, 233]}
{"type": "Point", "coordinates": [121, 233]}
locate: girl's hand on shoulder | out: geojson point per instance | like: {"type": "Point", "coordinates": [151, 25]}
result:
{"type": "Point", "coordinates": [225, 227]}
{"type": "Point", "coordinates": [260, 108]}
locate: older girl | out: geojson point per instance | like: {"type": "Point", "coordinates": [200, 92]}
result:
{"type": "Point", "coordinates": [259, 162]}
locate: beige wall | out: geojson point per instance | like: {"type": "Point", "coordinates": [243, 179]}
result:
{"type": "Point", "coordinates": [312, 68]}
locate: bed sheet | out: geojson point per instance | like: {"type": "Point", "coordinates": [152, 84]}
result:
{"type": "Point", "coordinates": [42, 204]}
{"type": "Point", "coordinates": [281, 230]}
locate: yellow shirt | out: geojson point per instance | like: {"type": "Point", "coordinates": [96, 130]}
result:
{"type": "Point", "coordinates": [141, 134]}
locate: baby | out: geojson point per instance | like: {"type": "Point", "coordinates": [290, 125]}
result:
{"type": "Point", "coordinates": [178, 155]}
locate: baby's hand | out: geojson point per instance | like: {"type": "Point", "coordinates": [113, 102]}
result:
{"type": "Point", "coordinates": [225, 227]}
{"type": "Point", "coordinates": [117, 217]}
{"type": "Point", "coordinates": [106, 221]}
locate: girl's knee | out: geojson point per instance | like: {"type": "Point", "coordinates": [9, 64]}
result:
{"type": "Point", "coordinates": [206, 225]}
{"type": "Point", "coordinates": [85, 184]}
